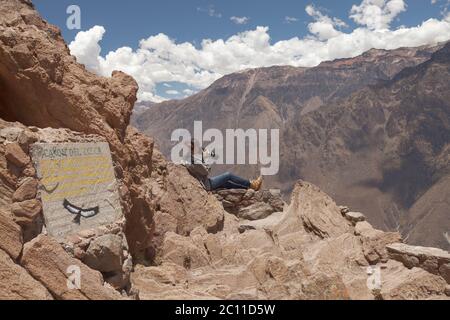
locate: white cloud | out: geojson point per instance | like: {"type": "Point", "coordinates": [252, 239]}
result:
{"type": "Point", "coordinates": [211, 11]}
{"type": "Point", "coordinates": [160, 59]}
{"type": "Point", "coordinates": [188, 92]}
{"type": "Point", "coordinates": [240, 20]}
{"type": "Point", "coordinates": [172, 92]}
{"type": "Point", "coordinates": [377, 14]}
{"type": "Point", "coordinates": [323, 27]}
{"type": "Point", "coordinates": [87, 49]}
{"type": "Point", "coordinates": [288, 19]}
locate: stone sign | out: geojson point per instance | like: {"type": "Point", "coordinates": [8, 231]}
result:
{"type": "Point", "coordinates": [77, 186]}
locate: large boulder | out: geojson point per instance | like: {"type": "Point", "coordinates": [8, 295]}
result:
{"type": "Point", "coordinates": [16, 155]}
{"type": "Point", "coordinates": [375, 241]}
{"type": "Point", "coordinates": [10, 235]}
{"type": "Point", "coordinates": [433, 260]}
{"type": "Point", "coordinates": [400, 283]}
{"type": "Point", "coordinates": [256, 211]}
{"type": "Point", "coordinates": [237, 200]}
{"type": "Point", "coordinates": [105, 253]}
{"type": "Point", "coordinates": [27, 190]}
{"type": "Point", "coordinates": [182, 203]}
{"type": "Point", "coordinates": [47, 262]}
{"type": "Point", "coordinates": [17, 284]}
{"type": "Point", "coordinates": [314, 211]}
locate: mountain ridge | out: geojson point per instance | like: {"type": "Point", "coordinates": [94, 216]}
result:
{"type": "Point", "coordinates": [282, 95]}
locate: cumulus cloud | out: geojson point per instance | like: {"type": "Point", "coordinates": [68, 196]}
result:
{"type": "Point", "coordinates": [172, 92]}
{"type": "Point", "coordinates": [160, 59]}
{"type": "Point", "coordinates": [377, 14]}
{"type": "Point", "coordinates": [240, 20]}
{"type": "Point", "coordinates": [87, 49]}
{"type": "Point", "coordinates": [323, 27]}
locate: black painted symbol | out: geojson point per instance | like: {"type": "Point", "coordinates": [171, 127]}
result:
{"type": "Point", "coordinates": [50, 191]}
{"type": "Point", "coordinates": [80, 212]}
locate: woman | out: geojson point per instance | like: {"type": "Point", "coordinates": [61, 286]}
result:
{"type": "Point", "coordinates": [200, 170]}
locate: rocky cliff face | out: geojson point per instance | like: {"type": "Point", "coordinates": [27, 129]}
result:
{"type": "Point", "coordinates": [174, 239]}
{"type": "Point", "coordinates": [351, 126]}
{"type": "Point", "coordinates": [311, 250]}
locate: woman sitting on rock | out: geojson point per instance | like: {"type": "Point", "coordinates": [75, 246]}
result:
{"type": "Point", "coordinates": [200, 170]}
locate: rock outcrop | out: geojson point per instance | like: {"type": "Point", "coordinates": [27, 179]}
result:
{"type": "Point", "coordinates": [42, 85]}
{"type": "Point", "coordinates": [311, 250]}
{"type": "Point", "coordinates": [433, 260]}
{"type": "Point", "coordinates": [47, 262]}
{"type": "Point", "coordinates": [17, 283]}
{"type": "Point", "coordinates": [251, 205]}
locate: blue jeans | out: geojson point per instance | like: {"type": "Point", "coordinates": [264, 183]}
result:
{"type": "Point", "coordinates": [228, 181]}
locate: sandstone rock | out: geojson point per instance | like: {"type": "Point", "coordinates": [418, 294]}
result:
{"type": "Point", "coordinates": [399, 283]}
{"type": "Point", "coordinates": [265, 224]}
{"type": "Point", "coordinates": [256, 211]}
{"type": "Point", "coordinates": [318, 212]}
{"type": "Point", "coordinates": [355, 216]}
{"type": "Point", "coordinates": [17, 284]}
{"type": "Point", "coordinates": [26, 138]}
{"type": "Point", "coordinates": [447, 290]}
{"type": "Point", "coordinates": [27, 211]}
{"type": "Point", "coordinates": [325, 287]}
{"type": "Point", "coordinates": [26, 191]}
{"type": "Point", "coordinates": [48, 263]}
{"type": "Point", "coordinates": [16, 156]}
{"type": "Point", "coordinates": [433, 260]}
{"type": "Point", "coordinates": [10, 235]}
{"type": "Point", "coordinates": [374, 241]}
{"type": "Point", "coordinates": [184, 205]}
{"type": "Point", "coordinates": [183, 252]}
{"type": "Point", "coordinates": [105, 254]}
{"type": "Point", "coordinates": [421, 252]}
{"type": "Point", "coordinates": [88, 233]}
{"type": "Point", "coordinates": [11, 134]}
{"type": "Point", "coordinates": [236, 200]}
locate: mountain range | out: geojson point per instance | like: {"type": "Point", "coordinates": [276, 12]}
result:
{"type": "Point", "coordinates": [372, 131]}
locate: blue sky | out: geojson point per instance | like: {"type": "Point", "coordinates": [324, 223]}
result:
{"type": "Point", "coordinates": [128, 22]}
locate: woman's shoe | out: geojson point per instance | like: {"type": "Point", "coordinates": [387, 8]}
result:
{"type": "Point", "coordinates": [256, 184]}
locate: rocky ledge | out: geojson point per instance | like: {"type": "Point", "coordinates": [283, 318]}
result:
{"type": "Point", "coordinates": [249, 204]}
{"type": "Point", "coordinates": [433, 260]}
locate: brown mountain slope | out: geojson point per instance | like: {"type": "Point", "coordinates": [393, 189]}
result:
{"type": "Point", "coordinates": [241, 100]}
{"type": "Point", "coordinates": [358, 152]}
{"type": "Point", "coordinates": [388, 145]}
